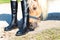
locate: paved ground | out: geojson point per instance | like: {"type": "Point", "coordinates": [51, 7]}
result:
{"type": "Point", "coordinates": [54, 6]}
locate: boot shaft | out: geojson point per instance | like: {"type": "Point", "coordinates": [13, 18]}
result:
{"type": "Point", "coordinates": [14, 6]}
{"type": "Point", "coordinates": [25, 13]}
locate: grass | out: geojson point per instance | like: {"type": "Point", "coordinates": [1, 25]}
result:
{"type": "Point", "coordinates": [5, 1]}
{"type": "Point", "coordinates": [49, 34]}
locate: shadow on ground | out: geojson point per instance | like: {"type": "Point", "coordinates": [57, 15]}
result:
{"type": "Point", "coordinates": [7, 18]}
{"type": "Point", "coordinates": [53, 16]}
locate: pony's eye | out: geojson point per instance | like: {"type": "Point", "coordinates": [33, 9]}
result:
{"type": "Point", "coordinates": [34, 8]}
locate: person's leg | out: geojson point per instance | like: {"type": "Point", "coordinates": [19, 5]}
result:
{"type": "Point", "coordinates": [13, 24]}
{"type": "Point", "coordinates": [25, 13]}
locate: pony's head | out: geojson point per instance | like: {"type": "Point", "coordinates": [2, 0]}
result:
{"type": "Point", "coordinates": [34, 11]}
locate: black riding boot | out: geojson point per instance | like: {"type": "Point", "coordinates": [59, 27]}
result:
{"type": "Point", "coordinates": [23, 29]}
{"type": "Point", "coordinates": [13, 24]}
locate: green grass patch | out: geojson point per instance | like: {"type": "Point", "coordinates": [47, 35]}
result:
{"type": "Point", "coordinates": [5, 1]}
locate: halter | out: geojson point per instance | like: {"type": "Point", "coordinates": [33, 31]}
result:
{"type": "Point", "coordinates": [34, 17]}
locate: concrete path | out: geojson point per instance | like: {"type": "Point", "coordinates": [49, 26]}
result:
{"type": "Point", "coordinates": [54, 6]}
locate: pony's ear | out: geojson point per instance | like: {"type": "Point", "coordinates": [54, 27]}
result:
{"type": "Point", "coordinates": [36, 0]}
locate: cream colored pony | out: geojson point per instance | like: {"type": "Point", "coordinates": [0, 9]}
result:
{"type": "Point", "coordinates": [38, 10]}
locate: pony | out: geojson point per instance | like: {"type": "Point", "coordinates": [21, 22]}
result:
{"type": "Point", "coordinates": [37, 12]}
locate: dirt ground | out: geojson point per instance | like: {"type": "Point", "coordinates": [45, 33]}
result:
{"type": "Point", "coordinates": [10, 35]}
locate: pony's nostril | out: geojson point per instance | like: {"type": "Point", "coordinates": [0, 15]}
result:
{"type": "Point", "coordinates": [34, 8]}
{"type": "Point", "coordinates": [34, 0]}
{"type": "Point", "coordinates": [30, 25]}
